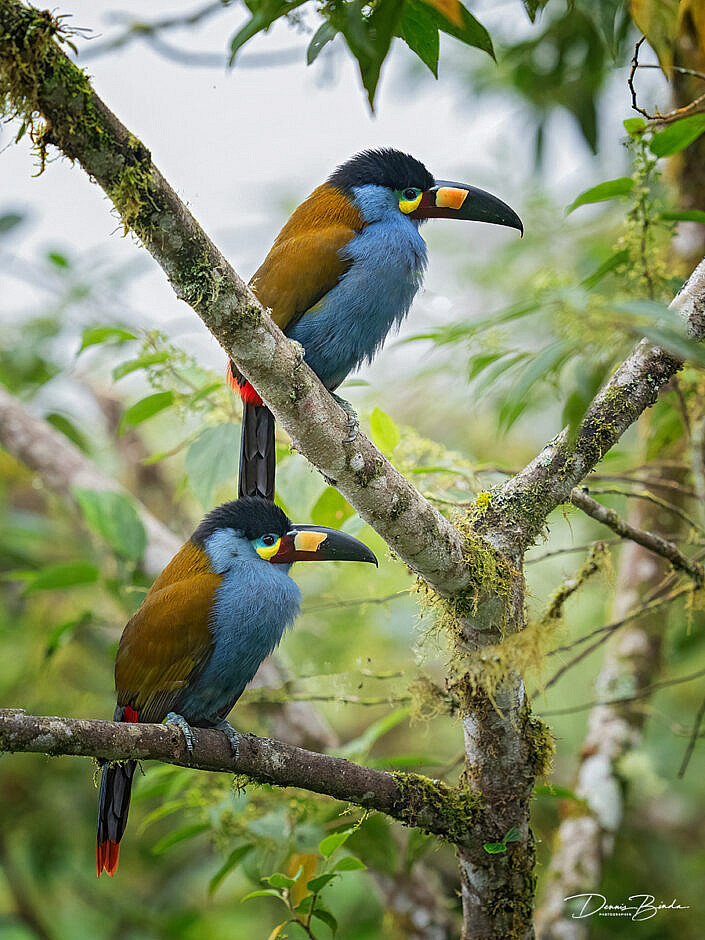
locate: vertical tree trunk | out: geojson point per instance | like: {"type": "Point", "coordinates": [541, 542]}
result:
{"type": "Point", "coordinates": [501, 760]}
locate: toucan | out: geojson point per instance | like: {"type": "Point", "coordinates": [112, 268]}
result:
{"type": "Point", "coordinates": [217, 610]}
{"type": "Point", "coordinates": [343, 272]}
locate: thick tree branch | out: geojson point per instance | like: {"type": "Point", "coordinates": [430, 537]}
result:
{"type": "Point", "coordinates": [648, 540]}
{"type": "Point", "coordinates": [410, 798]}
{"type": "Point", "coordinates": [38, 78]}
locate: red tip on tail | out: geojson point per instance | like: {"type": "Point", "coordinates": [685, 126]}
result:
{"type": "Point", "coordinates": [107, 856]}
{"type": "Point", "coordinates": [240, 384]}
{"type": "Point", "coordinates": [114, 804]}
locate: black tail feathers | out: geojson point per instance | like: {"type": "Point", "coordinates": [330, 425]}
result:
{"type": "Point", "coordinates": [113, 807]}
{"type": "Point", "coordinates": [257, 452]}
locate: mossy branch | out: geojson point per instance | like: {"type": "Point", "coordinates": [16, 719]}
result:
{"type": "Point", "coordinates": [413, 799]}
{"type": "Point", "coordinates": [42, 87]}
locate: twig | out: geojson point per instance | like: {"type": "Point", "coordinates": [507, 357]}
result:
{"type": "Point", "coordinates": [646, 692]}
{"type": "Point", "coordinates": [693, 738]}
{"type": "Point", "coordinates": [656, 500]}
{"type": "Point", "coordinates": [694, 107]}
{"type": "Point", "coordinates": [653, 543]}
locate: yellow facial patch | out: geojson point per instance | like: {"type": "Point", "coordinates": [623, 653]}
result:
{"type": "Point", "coordinates": [309, 541]}
{"type": "Point", "coordinates": [268, 551]}
{"type": "Point", "coordinates": [448, 197]}
{"type": "Point", "coordinates": [408, 205]}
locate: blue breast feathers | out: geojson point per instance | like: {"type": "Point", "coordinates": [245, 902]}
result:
{"type": "Point", "coordinates": [349, 324]}
{"type": "Point", "coordinates": [254, 604]}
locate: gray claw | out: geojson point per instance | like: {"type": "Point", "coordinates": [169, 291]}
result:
{"type": "Point", "coordinates": [184, 727]}
{"type": "Point", "coordinates": [232, 736]}
{"type": "Point", "coordinates": [353, 421]}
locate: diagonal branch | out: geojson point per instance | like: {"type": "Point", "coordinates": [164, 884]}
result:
{"type": "Point", "coordinates": [38, 78]}
{"type": "Point", "coordinates": [411, 798]}
{"type": "Point", "coordinates": [523, 503]}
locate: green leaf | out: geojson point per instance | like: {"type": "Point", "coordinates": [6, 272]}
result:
{"type": "Point", "coordinates": [113, 517]}
{"type": "Point", "coordinates": [492, 372]}
{"type": "Point", "coordinates": [323, 35]}
{"type": "Point", "coordinates": [557, 792]}
{"type": "Point", "coordinates": [8, 221]}
{"type": "Point", "coordinates": [305, 904]}
{"type": "Point", "coordinates": [333, 842]}
{"type": "Point", "coordinates": [280, 880]}
{"type": "Point", "coordinates": [62, 633]}
{"type": "Point", "coordinates": [494, 848]}
{"type": "Point", "coordinates": [66, 427]}
{"type": "Point", "coordinates": [318, 883]}
{"type": "Point", "coordinates": [532, 7]}
{"type": "Point", "coordinates": [376, 730]}
{"type": "Point", "coordinates": [384, 431]}
{"type": "Point", "coordinates": [142, 362]}
{"type": "Point", "coordinates": [472, 32]}
{"type": "Point", "coordinates": [94, 335]}
{"type": "Point", "coordinates": [634, 126]}
{"type": "Point", "coordinates": [478, 363]}
{"type": "Point", "coordinates": [611, 264]}
{"type": "Point", "coordinates": [683, 215]}
{"type": "Point", "coordinates": [179, 835]}
{"type": "Point", "coordinates": [144, 409]}
{"type": "Point", "coordinates": [263, 893]}
{"type": "Point", "coordinates": [65, 575]}
{"type": "Point", "coordinates": [264, 13]}
{"type": "Point", "coordinates": [547, 361]}
{"type": "Point", "coordinates": [677, 136]}
{"type": "Point", "coordinates": [331, 509]}
{"type": "Point", "coordinates": [368, 35]}
{"type": "Point", "coordinates": [58, 260]}
{"type": "Point", "coordinates": [324, 915]}
{"type": "Point", "coordinates": [349, 863]}
{"type": "Point", "coordinates": [419, 30]}
{"type": "Point", "coordinates": [514, 835]}
{"type": "Point", "coordinates": [211, 460]}
{"type": "Point", "coordinates": [610, 189]}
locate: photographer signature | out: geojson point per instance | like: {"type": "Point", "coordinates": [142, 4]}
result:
{"type": "Point", "coordinates": [644, 906]}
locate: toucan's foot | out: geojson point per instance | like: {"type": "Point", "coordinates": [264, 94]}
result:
{"type": "Point", "coordinates": [184, 727]}
{"type": "Point", "coordinates": [300, 352]}
{"type": "Point", "coordinates": [353, 420]}
{"type": "Point", "coordinates": [232, 736]}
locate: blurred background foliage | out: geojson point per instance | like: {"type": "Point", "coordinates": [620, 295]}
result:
{"type": "Point", "coordinates": [478, 395]}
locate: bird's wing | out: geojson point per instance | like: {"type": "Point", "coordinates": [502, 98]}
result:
{"type": "Point", "coordinates": [305, 261]}
{"type": "Point", "coordinates": [168, 638]}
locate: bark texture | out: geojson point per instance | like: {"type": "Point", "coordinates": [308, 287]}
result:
{"type": "Point", "coordinates": [476, 574]}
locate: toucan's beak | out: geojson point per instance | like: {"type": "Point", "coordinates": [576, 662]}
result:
{"type": "Point", "coordinates": [316, 543]}
{"type": "Point", "coordinates": [445, 200]}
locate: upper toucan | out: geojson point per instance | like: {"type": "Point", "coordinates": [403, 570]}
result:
{"type": "Point", "coordinates": [343, 271]}
{"type": "Point", "coordinates": [217, 610]}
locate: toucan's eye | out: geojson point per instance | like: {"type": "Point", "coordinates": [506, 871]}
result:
{"type": "Point", "coordinates": [269, 539]}
{"type": "Point", "coordinates": [410, 194]}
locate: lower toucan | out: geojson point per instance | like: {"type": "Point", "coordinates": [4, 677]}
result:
{"type": "Point", "coordinates": [343, 272]}
{"type": "Point", "coordinates": [217, 610]}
